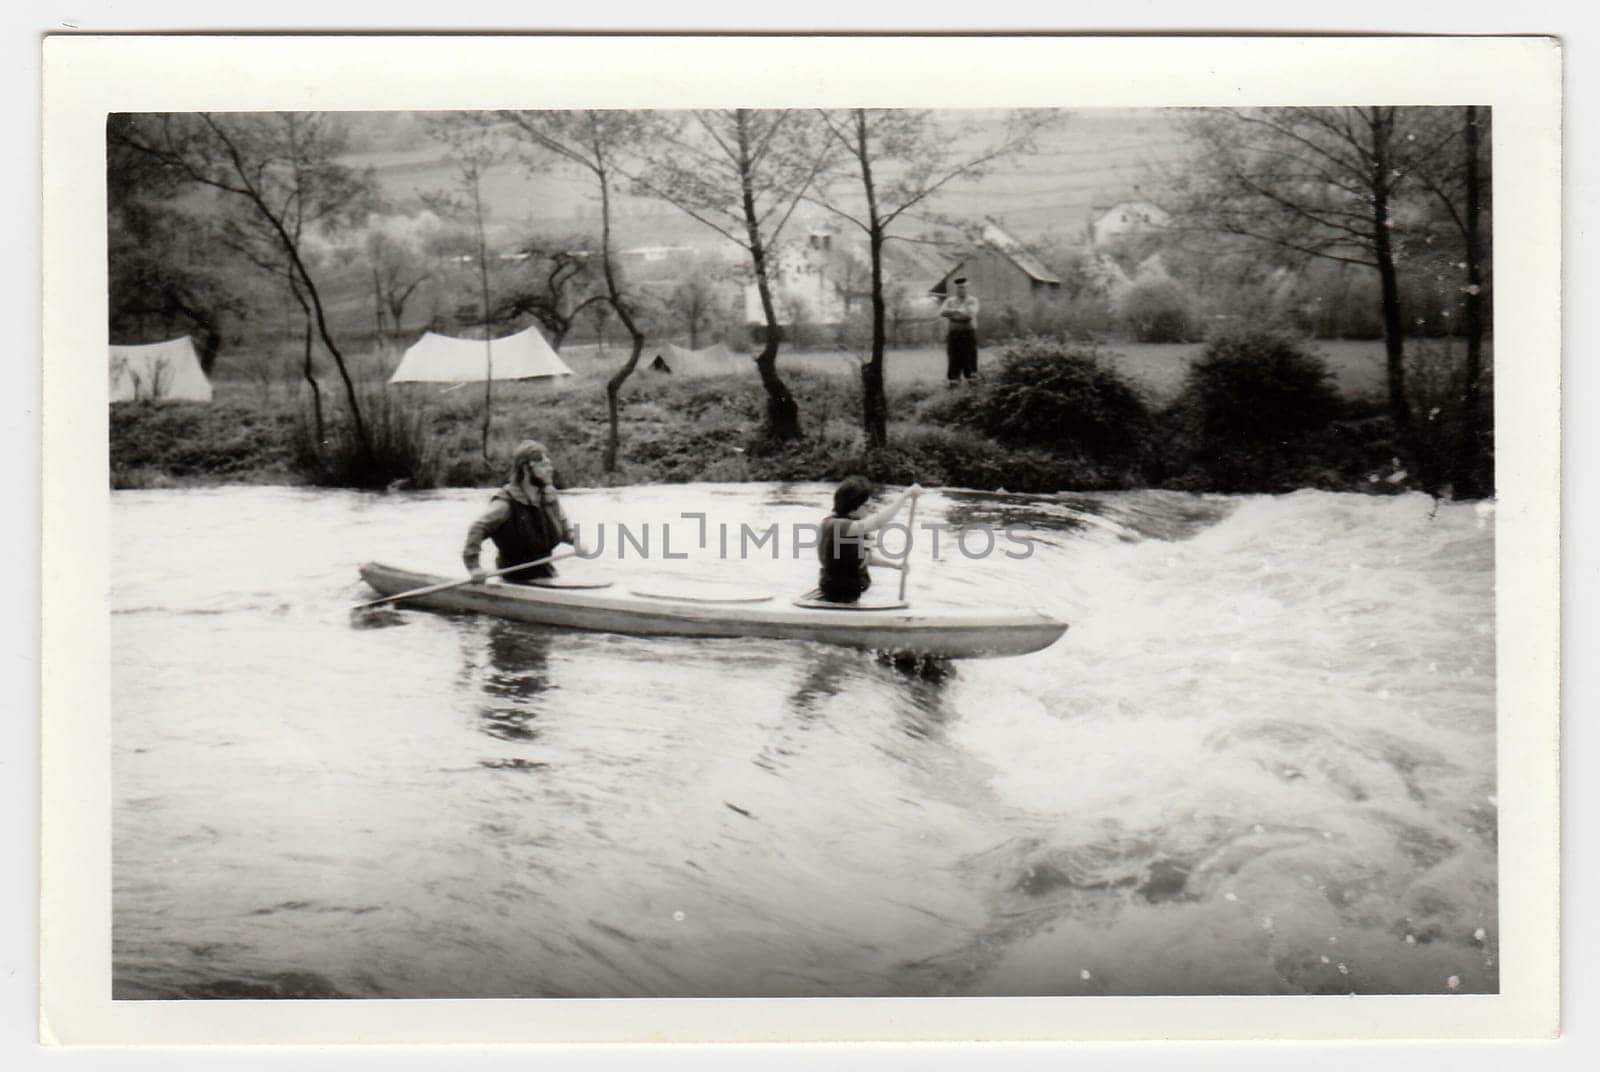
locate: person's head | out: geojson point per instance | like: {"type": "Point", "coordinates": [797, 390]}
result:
{"type": "Point", "coordinates": [960, 283]}
{"type": "Point", "coordinates": [851, 495]}
{"type": "Point", "coordinates": [530, 461]}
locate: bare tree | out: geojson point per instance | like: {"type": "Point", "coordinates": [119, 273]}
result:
{"type": "Point", "coordinates": [475, 149]}
{"type": "Point", "coordinates": [694, 300]}
{"type": "Point", "coordinates": [168, 274]}
{"type": "Point", "coordinates": [742, 172]}
{"type": "Point", "coordinates": [284, 170]}
{"type": "Point", "coordinates": [1340, 184]}
{"type": "Point", "coordinates": [558, 284]}
{"type": "Point", "coordinates": [896, 160]}
{"type": "Point", "coordinates": [1458, 178]}
{"type": "Point", "coordinates": [596, 142]}
{"type": "Point", "coordinates": [398, 269]}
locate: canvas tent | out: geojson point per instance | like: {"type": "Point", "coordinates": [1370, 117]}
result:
{"type": "Point", "coordinates": [441, 359]}
{"type": "Point", "coordinates": [713, 360]}
{"type": "Point", "coordinates": [164, 370]}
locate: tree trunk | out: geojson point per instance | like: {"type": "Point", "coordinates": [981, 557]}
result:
{"type": "Point", "coordinates": [397, 308]}
{"type": "Point", "coordinates": [488, 344]}
{"type": "Point", "coordinates": [302, 276]}
{"type": "Point", "coordinates": [377, 311]}
{"type": "Point", "coordinates": [210, 344]}
{"type": "Point", "coordinates": [316, 388]}
{"type": "Point", "coordinates": [205, 322]}
{"type": "Point", "coordinates": [874, 405]}
{"type": "Point", "coordinates": [783, 413]}
{"type": "Point", "coordinates": [1389, 283]}
{"type": "Point", "coordinates": [614, 388]}
{"type": "Point", "coordinates": [1471, 480]}
{"type": "Point", "coordinates": [620, 307]}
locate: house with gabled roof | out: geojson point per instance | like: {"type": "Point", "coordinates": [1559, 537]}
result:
{"type": "Point", "coordinates": [1129, 214]}
{"type": "Point", "coordinates": [999, 269]}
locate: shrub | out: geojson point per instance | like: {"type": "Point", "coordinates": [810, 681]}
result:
{"type": "Point", "coordinates": [403, 444]}
{"type": "Point", "coordinates": [1250, 408]}
{"type": "Point", "coordinates": [1062, 398]}
{"type": "Point", "coordinates": [194, 440]}
{"type": "Point", "coordinates": [1156, 310]}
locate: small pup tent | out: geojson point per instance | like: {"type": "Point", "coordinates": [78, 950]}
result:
{"type": "Point", "coordinates": [441, 359]}
{"type": "Point", "coordinates": [712, 361]}
{"type": "Point", "coordinates": [160, 370]}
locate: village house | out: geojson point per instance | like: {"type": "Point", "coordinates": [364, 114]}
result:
{"type": "Point", "coordinates": [822, 282]}
{"type": "Point", "coordinates": [1000, 270]}
{"type": "Point", "coordinates": [1129, 215]}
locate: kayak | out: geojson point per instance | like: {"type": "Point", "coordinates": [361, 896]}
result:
{"type": "Point", "coordinates": [714, 611]}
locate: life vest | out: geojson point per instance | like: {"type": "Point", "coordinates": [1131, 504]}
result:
{"type": "Point", "coordinates": [844, 575]}
{"type": "Point", "coordinates": [528, 534]}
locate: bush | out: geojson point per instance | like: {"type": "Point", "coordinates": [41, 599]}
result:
{"type": "Point", "coordinates": [403, 445]}
{"type": "Point", "coordinates": [1157, 310]}
{"type": "Point", "coordinates": [1062, 398]}
{"type": "Point", "coordinates": [191, 440]}
{"type": "Point", "coordinates": [1251, 407]}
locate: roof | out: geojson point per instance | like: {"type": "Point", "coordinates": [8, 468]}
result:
{"type": "Point", "coordinates": [903, 261]}
{"type": "Point", "coordinates": [1100, 208]}
{"type": "Point", "coordinates": [920, 260]}
{"type": "Point", "coordinates": [1000, 241]}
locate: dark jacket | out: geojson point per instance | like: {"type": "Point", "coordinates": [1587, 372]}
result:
{"type": "Point", "coordinates": [521, 532]}
{"type": "Point", "coordinates": [844, 575]}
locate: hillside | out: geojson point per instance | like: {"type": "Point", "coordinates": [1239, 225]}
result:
{"type": "Point", "coordinates": [1093, 155]}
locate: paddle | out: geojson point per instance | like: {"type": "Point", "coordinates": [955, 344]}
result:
{"type": "Point", "coordinates": [911, 526]}
{"type": "Point", "coordinates": [430, 589]}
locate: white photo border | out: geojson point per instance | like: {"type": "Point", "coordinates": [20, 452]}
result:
{"type": "Point", "coordinates": [87, 77]}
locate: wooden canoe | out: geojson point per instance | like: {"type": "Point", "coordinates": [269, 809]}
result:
{"type": "Point", "coordinates": [947, 633]}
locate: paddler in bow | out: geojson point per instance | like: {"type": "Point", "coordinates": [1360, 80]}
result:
{"type": "Point", "coordinates": [525, 519]}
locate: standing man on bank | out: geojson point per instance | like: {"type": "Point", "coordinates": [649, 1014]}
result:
{"type": "Point", "coordinates": [960, 311]}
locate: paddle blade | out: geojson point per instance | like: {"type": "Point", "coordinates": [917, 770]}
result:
{"type": "Point", "coordinates": [376, 617]}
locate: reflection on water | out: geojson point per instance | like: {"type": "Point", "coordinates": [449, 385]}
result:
{"type": "Point", "coordinates": [515, 680]}
{"type": "Point", "coordinates": [1262, 761]}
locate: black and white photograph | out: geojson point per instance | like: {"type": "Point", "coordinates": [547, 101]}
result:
{"type": "Point", "coordinates": [703, 545]}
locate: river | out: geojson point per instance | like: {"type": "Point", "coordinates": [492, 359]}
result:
{"type": "Point", "coordinates": [1262, 761]}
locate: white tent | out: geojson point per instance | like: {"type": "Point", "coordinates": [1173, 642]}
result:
{"type": "Point", "coordinates": [714, 360]}
{"type": "Point", "coordinates": [441, 359]}
{"type": "Point", "coordinates": [168, 369]}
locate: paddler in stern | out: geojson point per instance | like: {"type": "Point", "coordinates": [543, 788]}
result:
{"type": "Point", "coordinates": [847, 542]}
{"type": "Point", "coordinates": [525, 519]}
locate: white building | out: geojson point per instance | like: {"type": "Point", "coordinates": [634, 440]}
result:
{"type": "Point", "coordinates": [1127, 216]}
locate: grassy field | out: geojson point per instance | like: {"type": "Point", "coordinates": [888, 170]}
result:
{"type": "Point", "coordinates": [673, 427]}
{"type": "Point", "coordinates": [1357, 365]}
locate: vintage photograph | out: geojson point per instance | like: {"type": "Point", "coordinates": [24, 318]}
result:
{"type": "Point", "coordinates": [1183, 685]}
{"type": "Point", "coordinates": [1030, 546]}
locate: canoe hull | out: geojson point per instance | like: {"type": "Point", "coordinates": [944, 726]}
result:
{"type": "Point", "coordinates": [948, 634]}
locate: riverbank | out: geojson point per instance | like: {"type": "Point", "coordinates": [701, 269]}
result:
{"type": "Point", "coordinates": [678, 429]}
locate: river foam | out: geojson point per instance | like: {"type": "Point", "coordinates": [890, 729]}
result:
{"type": "Point", "coordinates": [1261, 761]}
